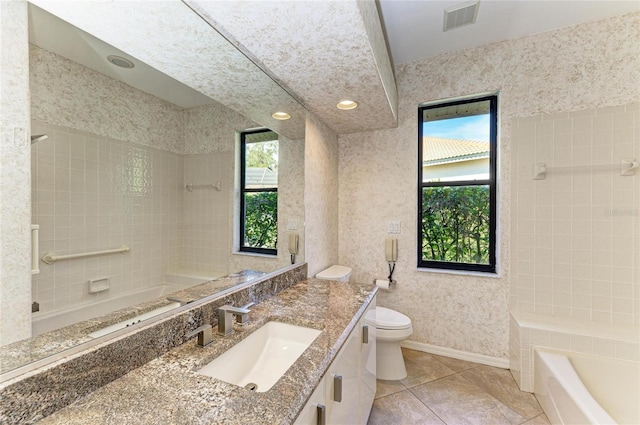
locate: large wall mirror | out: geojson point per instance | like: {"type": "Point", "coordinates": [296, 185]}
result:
{"type": "Point", "coordinates": [141, 118]}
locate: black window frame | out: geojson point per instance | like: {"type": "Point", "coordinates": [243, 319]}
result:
{"type": "Point", "coordinates": [492, 182]}
{"type": "Point", "coordinates": [243, 190]}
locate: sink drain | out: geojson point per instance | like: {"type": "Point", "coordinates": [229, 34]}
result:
{"type": "Point", "coordinates": [251, 386]}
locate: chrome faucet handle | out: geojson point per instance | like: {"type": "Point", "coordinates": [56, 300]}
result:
{"type": "Point", "coordinates": [243, 318]}
{"type": "Point", "coordinates": [225, 318]}
{"type": "Point", "coordinates": [205, 335]}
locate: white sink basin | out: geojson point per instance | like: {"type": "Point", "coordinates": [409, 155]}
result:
{"type": "Point", "coordinates": [258, 361]}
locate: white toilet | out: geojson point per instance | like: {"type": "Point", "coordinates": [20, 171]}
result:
{"type": "Point", "coordinates": [392, 328]}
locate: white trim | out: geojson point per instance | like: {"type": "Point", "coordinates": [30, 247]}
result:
{"type": "Point", "coordinates": [458, 98]}
{"type": "Point", "coordinates": [255, 254]}
{"type": "Point", "coordinates": [492, 275]}
{"type": "Point", "coordinates": [457, 354]}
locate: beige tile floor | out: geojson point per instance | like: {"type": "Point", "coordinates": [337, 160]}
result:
{"type": "Point", "coordinates": [442, 390]}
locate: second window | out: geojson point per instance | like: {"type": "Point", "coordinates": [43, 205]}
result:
{"type": "Point", "coordinates": [259, 192]}
{"type": "Point", "coordinates": [457, 185]}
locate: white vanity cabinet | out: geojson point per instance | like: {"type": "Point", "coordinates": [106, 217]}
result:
{"type": "Point", "coordinates": [367, 366]}
{"type": "Point", "coordinates": [346, 392]}
{"type": "Point", "coordinates": [310, 415]}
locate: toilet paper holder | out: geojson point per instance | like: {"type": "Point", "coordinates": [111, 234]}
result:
{"type": "Point", "coordinates": [385, 283]}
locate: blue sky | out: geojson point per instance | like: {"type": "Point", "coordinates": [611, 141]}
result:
{"type": "Point", "coordinates": [475, 127]}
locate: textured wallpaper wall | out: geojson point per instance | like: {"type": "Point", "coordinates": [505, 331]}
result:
{"type": "Point", "coordinates": [320, 195]}
{"type": "Point", "coordinates": [211, 128]}
{"type": "Point", "coordinates": [15, 199]}
{"type": "Point", "coordinates": [576, 68]}
{"type": "Point", "coordinates": [89, 101]}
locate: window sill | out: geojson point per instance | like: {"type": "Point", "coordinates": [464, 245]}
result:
{"type": "Point", "coordinates": [495, 275]}
{"type": "Point", "coordinates": [256, 254]}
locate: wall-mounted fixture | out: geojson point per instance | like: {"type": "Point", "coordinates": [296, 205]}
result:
{"type": "Point", "coordinates": [217, 186]}
{"type": "Point", "coordinates": [294, 241]}
{"type": "Point", "coordinates": [35, 248]}
{"type": "Point", "coordinates": [98, 285]}
{"type": "Point", "coordinates": [391, 254]}
{"type": "Point", "coordinates": [120, 61]}
{"type": "Point", "coordinates": [627, 167]}
{"type": "Point", "coordinates": [280, 116]}
{"type": "Point", "coordinates": [51, 257]}
{"type": "Point", "coordinates": [346, 104]}
{"type": "Point", "coordinates": [38, 138]}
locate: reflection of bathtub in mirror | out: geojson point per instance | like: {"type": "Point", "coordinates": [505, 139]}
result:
{"type": "Point", "coordinates": [89, 311]}
{"type": "Point", "coordinates": [67, 328]}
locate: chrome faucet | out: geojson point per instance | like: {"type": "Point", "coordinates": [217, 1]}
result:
{"type": "Point", "coordinates": [243, 318]}
{"type": "Point", "coordinates": [205, 335]}
{"type": "Point", "coordinates": [225, 317]}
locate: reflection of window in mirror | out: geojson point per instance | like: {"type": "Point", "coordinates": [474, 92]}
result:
{"type": "Point", "coordinates": [259, 191]}
{"type": "Point", "coordinates": [457, 184]}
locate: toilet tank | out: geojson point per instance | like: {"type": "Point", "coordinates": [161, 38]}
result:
{"type": "Point", "coordinates": [340, 273]}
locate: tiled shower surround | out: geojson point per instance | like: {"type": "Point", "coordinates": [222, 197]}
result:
{"type": "Point", "coordinates": [576, 236]}
{"type": "Point", "coordinates": [91, 193]}
{"type": "Point", "coordinates": [577, 239]}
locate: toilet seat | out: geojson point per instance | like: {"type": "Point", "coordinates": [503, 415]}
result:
{"type": "Point", "coordinates": [385, 318]}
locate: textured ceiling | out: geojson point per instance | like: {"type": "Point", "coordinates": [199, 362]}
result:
{"type": "Point", "coordinates": [322, 51]}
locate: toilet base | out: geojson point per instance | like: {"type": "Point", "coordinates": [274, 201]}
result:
{"type": "Point", "coordinates": [389, 361]}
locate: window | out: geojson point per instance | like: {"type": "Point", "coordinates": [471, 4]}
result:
{"type": "Point", "coordinates": [457, 148]}
{"type": "Point", "coordinates": [259, 191]}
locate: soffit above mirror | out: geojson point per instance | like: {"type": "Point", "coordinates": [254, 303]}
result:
{"type": "Point", "coordinates": [322, 51]}
{"type": "Point", "coordinates": [169, 37]}
{"type": "Point", "coordinates": [57, 36]}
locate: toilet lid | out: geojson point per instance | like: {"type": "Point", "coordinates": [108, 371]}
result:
{"type": "Point", "coordinates": [334, 273]}
{"type": "Point", "coordinates": [385, 318]}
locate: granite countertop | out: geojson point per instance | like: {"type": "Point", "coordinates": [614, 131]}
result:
{"type": "Point", "coordinates": [168, 390]}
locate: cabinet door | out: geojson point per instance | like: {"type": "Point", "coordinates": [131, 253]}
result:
{"type": "Point", "coordinates": [309, 415]}
{"type": "Point", "coordinates": [342, 384]}
{"type": "Point", "coordinates": [348, 388]}
{"type": "Point", "coordinates": [367, 366]}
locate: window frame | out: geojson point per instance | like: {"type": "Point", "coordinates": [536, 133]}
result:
{"type": "Point", "coordinates": [243, 190]}
{"type": "Point", "coordinates": [492, 182]}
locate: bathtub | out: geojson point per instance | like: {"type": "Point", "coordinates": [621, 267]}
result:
{"type": "Point", "coordinates": [575, 388]}
{"type": "Point", "coordinates": [45, 322]}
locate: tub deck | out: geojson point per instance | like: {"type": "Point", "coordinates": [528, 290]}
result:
{"type": "Point", "coordinates": [575, 388]}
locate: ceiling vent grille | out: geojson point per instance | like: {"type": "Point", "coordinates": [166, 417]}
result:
{"type": "Point", "coordinates": [460, 15]}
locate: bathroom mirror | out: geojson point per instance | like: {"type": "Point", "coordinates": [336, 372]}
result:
{"type": "Point", "coordinates": [145, 163]}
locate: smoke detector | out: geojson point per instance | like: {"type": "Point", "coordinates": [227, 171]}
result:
{"type": "Point", "coordinates": [460, 15]}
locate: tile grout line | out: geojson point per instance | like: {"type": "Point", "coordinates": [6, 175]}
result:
{"type": "Point", "coordinates": [428, 382]}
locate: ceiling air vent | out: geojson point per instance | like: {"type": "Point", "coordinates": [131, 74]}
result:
{"type": "Point", "coordinates": [460, 15]}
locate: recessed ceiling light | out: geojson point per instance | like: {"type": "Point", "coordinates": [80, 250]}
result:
{"type": "Point", "coordinates": [281, 116]}
{"type": "Point", "coordinates": [120, 61]}
{"type": "Point", "coordinates": [347, 104]}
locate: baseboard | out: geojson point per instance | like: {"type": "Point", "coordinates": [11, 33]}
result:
{"type": "Point", "coordinates": [457, 354]}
